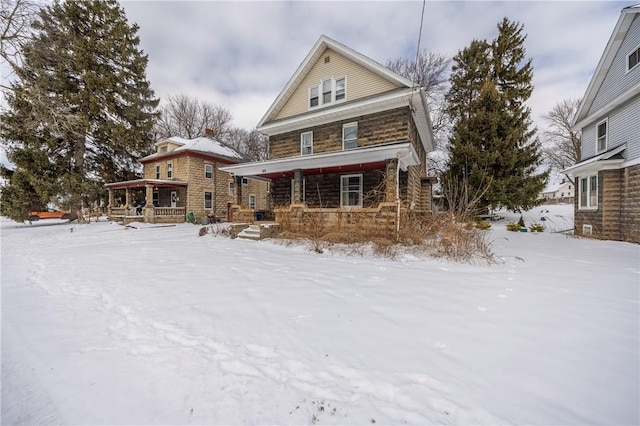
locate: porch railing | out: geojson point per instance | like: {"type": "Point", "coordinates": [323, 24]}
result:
{"type": "Point", "coordinates": [158, 211]}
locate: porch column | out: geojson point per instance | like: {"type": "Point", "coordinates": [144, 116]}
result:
{"type": "Point", "coordinates": [148, 195]}
{"type": "Point", "coordinates": [238, 185]}
{"type": "Point", "coordinates": [110, 197]}
{"type": "Point", "coordinates": [149, 211]}
{"type": "Point", "coordinates": [297, 186]}
{"type": "Point", "coordinates": [391, 180]}
{"type": "Point", "coordinates": [127, 197]}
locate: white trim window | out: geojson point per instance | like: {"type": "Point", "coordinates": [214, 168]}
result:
{"type": "Point", "coordinates": [351, 190]}
{"type": "Point", "coordinates": [208, 200]}
{"type": "Point", "coordinates": [252, 202]}
{"type": "Point", "coordinates": [208, 171]}
{"type": "Point", "coordinates": [329, 90]}
{"type": "Point", "coordinates": [157, 172]}
{"type": "Point", "coordinates": [588, 190]}
{"type": "Point", "coordinates": [306, 143]}
{"type": "Point", "coordinates": [230, 188]}
{"type": "Point", "coordinates": [349, 136]}
{"type": "Point", "coordinates": [602, 130]}
{"type": "Point", "coordinates": [169, 170]}
{"type": "Point", "coordinates": [633, 59]}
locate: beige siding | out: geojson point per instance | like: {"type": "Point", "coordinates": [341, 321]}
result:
{"type": "Point", "coordinates": [360, 82]}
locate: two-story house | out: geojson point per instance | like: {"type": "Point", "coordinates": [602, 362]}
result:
{"type": "Point", "coordinates": [183, 176]}
{"type": "Point", "coordinates": [562, 192]}
{"type": "Point", "coordinates": [348, 139]}
{"type": "Point", "coordinates": [607, 178]}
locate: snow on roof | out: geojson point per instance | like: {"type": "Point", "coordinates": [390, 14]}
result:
{"type": "Point", "coordinates": [208, 145]}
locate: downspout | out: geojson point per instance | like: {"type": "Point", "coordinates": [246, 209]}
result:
{"type": "Point", "coordinates": [398, 192]}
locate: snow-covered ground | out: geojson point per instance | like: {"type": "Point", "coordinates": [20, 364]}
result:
{"type": "Point", "coordinates": [104, 324]}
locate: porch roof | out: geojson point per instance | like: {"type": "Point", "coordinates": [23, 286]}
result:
{"type": "Point", "coordinates": [141, 183]}
{"type": "Point", "coordinates": [330, 162]}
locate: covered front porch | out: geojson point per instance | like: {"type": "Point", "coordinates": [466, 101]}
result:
{"type": "Point", "coordinates": [365, 187]}
{"type": "Point", "coordinates": [165, 201]}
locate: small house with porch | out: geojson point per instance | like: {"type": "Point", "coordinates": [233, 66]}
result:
{"type": "Point", "coordinates": [182, 180]}
{"type": "Point", "coordinates": [348, 143]}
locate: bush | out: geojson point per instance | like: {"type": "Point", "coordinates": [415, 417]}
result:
{"type": "Point", "coordinates": [536, 227]}
{"type": "Point", "coordinates": [483, 225]}
{"type": "Point", "coordinates": [513, 226]}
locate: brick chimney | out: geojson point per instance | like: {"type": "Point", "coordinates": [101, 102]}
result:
{"type": "Point", "coordinates": [209, 132]}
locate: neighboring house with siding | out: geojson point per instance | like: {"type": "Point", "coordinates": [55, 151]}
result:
{"type": "Point", "coordinates": [184, 176]}
{"type": "Point", "coordinates": [562, 192]}
{"type": "Point", "coordinates": [348, 141]}
{"type": "Point", "coordinates": [608, 176]}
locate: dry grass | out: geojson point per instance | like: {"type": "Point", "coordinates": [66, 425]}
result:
{"type": "Point", "coordinates": [443, 235]}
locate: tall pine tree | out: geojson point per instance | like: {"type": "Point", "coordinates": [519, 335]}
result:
{"type": "Point", "coordinates": [81, 111]}
{"type": "Point", "coordinates": [494, 153]}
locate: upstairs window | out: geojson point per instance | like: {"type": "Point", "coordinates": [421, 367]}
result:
{"type": "Point", "coordinates": [208, 171]}
{"type": "Point", "coordinates": [169, 170]}
{"type": "Point", "coordinates": [602, 136]}
{"type": "Point", "coordinates": [162, 149]}
{"type": "Point", "coordinates": [157, 172]}
{"type": "Point", "coordinates": [350, 136]}
{"type": "Point", "coordinates": [306, 143]}
{"type": "Point", "coordinates": [327, 91]}
{"type": "Point", "coordinates": [633, 59]}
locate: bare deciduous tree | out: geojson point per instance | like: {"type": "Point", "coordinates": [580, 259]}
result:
{"type": "Point", "coordinates": [16, 18]}
{"type": "Point", "coordinates": [253, 144]}
{"type": "Point", "coordinates": [561, 144]}
{"type": "Point", "coordinates": [184, 116]}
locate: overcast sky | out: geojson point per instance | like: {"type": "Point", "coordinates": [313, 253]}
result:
{"type": "Point", "coordinates": [241, 54]}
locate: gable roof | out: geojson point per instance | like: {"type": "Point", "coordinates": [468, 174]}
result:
{"type": "Point", "coordinates": [309, 61]}
{"type": "Point", "coordinates": [627, 16]}
{"type": "Point", "coordinates": [204, 144]}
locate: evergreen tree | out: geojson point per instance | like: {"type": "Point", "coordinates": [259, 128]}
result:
{"type": "Point", "coordinates": [81, 111]}
{"type": "Point", "coordinates": [494, 154]}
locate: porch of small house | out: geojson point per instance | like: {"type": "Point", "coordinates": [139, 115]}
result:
{"type": "Point", "coordinates": [149, 214]}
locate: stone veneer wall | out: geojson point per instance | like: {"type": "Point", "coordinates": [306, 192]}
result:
{"type": "Point", "coordinates": [618, 213]}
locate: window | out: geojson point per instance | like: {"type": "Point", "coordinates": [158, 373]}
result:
{"type": "Point", "coordinates": [156, 199]}
{"type": "Point", "coordinates": [587, 230]}
{"type": "Point", "coordinates": [169, 170]}
{"type": "Point", "coordinates": [588, 192]}
{"type": "Point", "coordinates": [252, 201]}
{"type": "Point", "coordinates": [208, 171]}
{"type": "Point", "coordinates": [351, 191]}
{"type": "Point", "coordinates": [162, 149]}
{"type": "Point", "coordinates": [157, 172]}
{"type": "Point", "coordinates": [602, 136]}
{"type": "Point", "coordinates": [341, 85]}
{"type": "Point", "coordinates": [328, 91]}
{"type": "Point", "coordinates": [313, 96]}
{"type": "Point", "coordinates": [350, 136]}
{"type": "Point", "coordinates": [306, 143]}
{"type": "Point", "coordinates": [245, 181]}
{"type": "Point", "coordinates": [304, 190]}
{"type": "Point", "coordinates": [208, 200]}
{"type": "Point", "coordinates": [633, 59]}
{"type": "Point", "coordinates": [230, 188]}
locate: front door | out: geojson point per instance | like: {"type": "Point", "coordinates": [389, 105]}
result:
{"type": "Point", "coordinates": [174, 199]}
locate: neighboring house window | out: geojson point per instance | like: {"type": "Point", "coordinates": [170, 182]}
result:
{"type": "Point", "coordinates": [156, 199]}
{"type": "Point", "coordinates": [169, 170]}
{"type": "Point", "coordinates": [252, 201]}
{"type": "Point", "coordinates": [230, 188]}
{"type": "Point", "coordinates": [328, 91]}
{"type": "Point", "coordinates": [602, 135]}
{"type": "Point", "coordinates": [588, 192]}
{"type": "Point", "coordinates": [208, 200]}
{"type": "Point", "coordinates": [208, 171]}
{"type": "Point", "coordinates": [313, 97]}
{"type": "Point", "coordinates": [306, 143]}
{"type": "Point", "coordinates": [350, 136]}
{"type": "Point", "coordinates": [304, 189]}
{"type": "Point", "coordinates": [351, 191]}
{"type": "Point", "coordinates": [633, 59]}
{"type": "Point", "coordinates": [157, 172]}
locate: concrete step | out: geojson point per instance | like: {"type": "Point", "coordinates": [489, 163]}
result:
{"type": "Point", "coordinates": [252, 232]}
